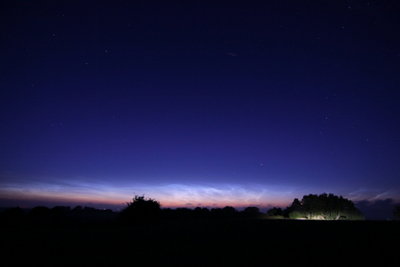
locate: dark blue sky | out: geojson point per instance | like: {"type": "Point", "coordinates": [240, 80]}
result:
{"type": "Point", "coordinates": [197, 103]}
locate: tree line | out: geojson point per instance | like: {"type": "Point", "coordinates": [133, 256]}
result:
{"type": "Point", "coordinates": [142, 209]}
{"type": "Point", "coordinates": [310, 207]}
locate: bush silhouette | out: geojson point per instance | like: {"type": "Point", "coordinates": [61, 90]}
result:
{"type": "Point", "coordinates": [323, 207]}
{"type": "Point", "coordinates": [141, 210]}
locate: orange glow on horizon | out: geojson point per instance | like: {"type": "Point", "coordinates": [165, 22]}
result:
{"type": "Point", "coordinates": [169, 195]}
{"type": "Point", "coordinates": [121, 201]}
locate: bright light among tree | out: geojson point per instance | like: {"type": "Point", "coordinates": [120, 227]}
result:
{"type": "Point", "coordinates": [323, 207]}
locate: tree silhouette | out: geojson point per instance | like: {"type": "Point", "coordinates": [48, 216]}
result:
{"type": "Point", "coordinates": [323, 207]}
{"type": "Point", "coordinates": [40, 214]}
{"type": "Point", "coordinates": [275, 212]}
{"type": "Point", "coordinates": [251, 212]}
{"type": "Point", "coordinates": [12, 216]}
{"type": "Point", "coordinates": [228, 211]}
{"type": "Point", "coordinates": [396, 212]}
{"type": "Point", "coordinates": [141, 209]}
{"type": "Point", "coordinates": [201, 212]}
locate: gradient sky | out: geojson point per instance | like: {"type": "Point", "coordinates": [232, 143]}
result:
{"type": "Point", "coordinates": [197, 103]}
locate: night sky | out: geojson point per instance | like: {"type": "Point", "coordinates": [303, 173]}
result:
{"type": "Point", "coordinates": [198, 103]}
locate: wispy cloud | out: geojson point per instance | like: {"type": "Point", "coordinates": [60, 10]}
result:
{"type": "Point", "coordinates": [172, 195]}
{"type": "Point", "coordinates": [81, 190]}
{"type": "Point", "coordinates": [374, 194]}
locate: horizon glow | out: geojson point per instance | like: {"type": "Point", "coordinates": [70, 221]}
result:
{"type": "Point", "coordinates": [169, 195]}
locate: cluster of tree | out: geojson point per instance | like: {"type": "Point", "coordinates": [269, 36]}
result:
{"type": "Point", "coordinates": [319, 207]}
{"type": "Point", "coordinates": [311, 207]}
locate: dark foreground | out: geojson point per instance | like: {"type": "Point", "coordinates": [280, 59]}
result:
{"type": "Point", "coordinates": [225, 242]}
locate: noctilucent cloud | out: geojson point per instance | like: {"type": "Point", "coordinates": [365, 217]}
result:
{"type": "Point", "coordinates": [198, 104]}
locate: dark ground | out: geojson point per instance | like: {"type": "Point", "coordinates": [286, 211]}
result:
{"type": "Point", "coordinates": [218, 242]}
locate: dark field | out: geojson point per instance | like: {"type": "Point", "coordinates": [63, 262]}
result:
{"type": "Point", "coordinates": [218, 242]}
